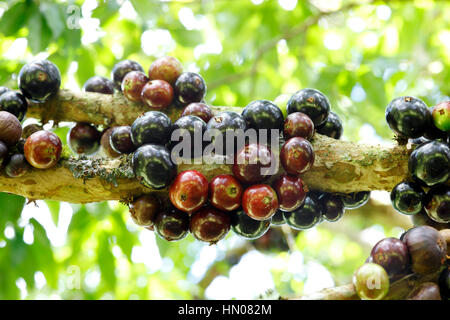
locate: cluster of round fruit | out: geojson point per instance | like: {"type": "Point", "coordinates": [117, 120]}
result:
{"type": "Point", "coordinates": [429, 164]}
{"type": "Point", "coordinates": [22, 147]}
{"type": "Point", "coordinates": [421, 250]}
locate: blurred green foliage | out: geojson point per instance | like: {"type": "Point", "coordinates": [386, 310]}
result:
{"type": "Point", "coordinates": [361, 56]}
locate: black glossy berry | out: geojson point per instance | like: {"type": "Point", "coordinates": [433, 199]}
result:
{"type": "Point", "coordinates": [38, 80]}
{"type": "Point", "coordinates": [153, 166]}
{"type": "Point", "coordinates": [422, 219]}
{"type": "Point", "coordinates": [190, 87]}
{"type": "Point", "coordinates": [408, 198]}
{"type": "Point", "coordinates": [218, 126]}
{"type": "Point", "coordinates": [14, 103]}
{"type": "Point", "coordinates": [4, 89]}
{"type": "Point", "coordinates": [17, 166]}
{"type": "Point", "coordinates": [3, 152]}
{"type": "Point", "coordinates": [332, 127]}
{"type": "Point", "coordinates": [305, 217]}
{"type": "Point", "coordinates": [418, 141]}
{"type": "Point", "coordinates": [437, 204]}
{"type": "Point", "coordinates": [263, 114]}
{"type": "Point", "coordinates": [311, 102]}
{"type": "Point", "coordinates": [332, 207]}
{"type": "Point", "coordinates": [152, 127]}
{"type": "Point", "coordinates": [172, 224]}
{"type": "Point", "coordinates": [430, 163]}
{"type": "Point", "coordinates": [408, 116]}
{"type": "Point", "coordinates": [247, 227]}
{"type": "Point", "coordinates": [356, 199]}
{"type": "Point", "coordinates": [278, 219]}
{"type": "Point", "coordinates": [444, 283]}
{"type": "Point", "coordinates": [120, 140]}
{"type": "Point", "coordinates": [190, 130]}
{"type": "Point", "coordinates": [99, 84]}
{"type": "Point", "coordinates": [121, 69]}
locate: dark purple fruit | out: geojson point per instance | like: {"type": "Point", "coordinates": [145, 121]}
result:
{"type": "Point", "coordinates": [120, 140]}
{"type": "Point", "coordinates": [157, 94]}
{"type": "Point", "coordinates": [10, 128]}
{"type": "Point", "coordinates": [425, 291]}
{"type": "Point", "coordinates": [355, 200]}
{"type": "Point", "coordinates": [132, 85]}
{"type": "Point", "coordinates": [17, 166]}
{"type": "Point", "coordinates": [408, 116]}
{"type": "Point", "coordinates": [145, 209]}
{"type": "Point", "coordinates": [444, 283]}
{"type": "Point", "coordinates": [437, 204]}
{"type": "Point", "coordinates": [222, 125]}
{"type": "Point", "coordinates": [408, 198]}
{"type": "Point", "coordinates": [332, 127]}
{"type": "Point", "coordinates": [153, 166]}
{"type": "Point", "coordinates": [418, 141]}
{"type": "Point", "coordinates": [121, 69]}
{"type": "Point", "coordinates": [190, 87]}
{"type": "Point", "coordinates": [104, 142]}
{"type": "Point", "coordinates": [3, 152]}
{"type": "Point", "coordinates": [198, 109]}
{"type": "Point", "coordinates": [305, 217]}
{"type": "Point", "coordinates": [152, 127]}
{"type": "Point", "coordinates": [38, 80]}
{"type": "Point", "coordinates": [84, 138]}
{"type": "Point", "coordinates": [99, 84]}
{"type": "Point", "coordinates": [31, 128]}
{"type": "Point", "coordinates": [311, 102]}
{"type": "Point", "coordinates": [209, 224]}
{"type": "Point", "coordinates": [422, 219]}
{"type": "Point", "coordinates": [14, 103]}
{"type": "Point", "coordinates": [278, 218]}
{"type": "Point", "coordinates": [298, 124]}
{"type": "Point", "coordinates": [392, 254]}
{"type": "Point", "coordinates": [248, 228]}
{"type": "Point", "coordinates": [332, 207]}
{"type": "Point", "coordinates": [263, 114]}
{"type": "Point", "coordinates": [165, 68]}
{"type": "Point", "coordinates": [172, 224]}
{"type": "Point", "coordinates": [427, 248]}
{"type": "Point", "coordinates": [188, 130]}
{"type": "Point", "coordinates": [253, 163]}
{"type": "Point", "coordinates": [430, 163]}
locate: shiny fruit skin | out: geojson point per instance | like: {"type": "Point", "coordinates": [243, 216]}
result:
{"type": "Point", "coordinates": [166, 68]}
{"type": "Point", "coordinates": [191, 128]}
{"type": "Point", "coordinates": [305, 217]}
{"type": "Point", "coordinates": [408, 116]}
{"type": "Point", "coordinates": [427, 248]}
{"type": "Point", "coordinates": [153, 166]}
{"type": "Point", "coordinates": [437, 204]}
{"type": "Point", "coordinates": [39, 79]}
{"type": "Point", "coordinates": [248, 228]}
{"type": "Point", "coordinates": [298, 124]}
{"type": "Point", "coordinates": [121, 69]}
{"type": "Point", "coordinates": [106, 146]}
{"type": "Point", "coordinates": [277, 218]}
{"type": "Point", "coordinates": [99, 84]}
{"type": "Point", "coordinates": [43, 149]}
{"type": "Point", "coordinates": [218, 126]}
{"type": "Point", "coordinates": [120, 140]}
{"type": "Point", "coordinates": [17, 166]}
{"type": "Point", "coordinates": [157, 94]}
{"type": "Point", "coordinates": [172, 224]}
{"type": "Point", "coordinates": [430, 163]}
{"type": "Point", "coordinates": [145, 209]}
{"type": "Point", "coordinates": [297, 155]}
{"type": "Point", "coordinates": [371, 282]}
{"type": "Point", "coordinates": [392, 254]}
{"type": "Point", "coordinates": [152, 127]}
{"type": "Point", "coordinates": [209, 224]}
{"type": "Point", "coordinates": [290, 191]}
{"type": "Point", "coordinates": [198, 109]}
{"type": "Point", "coordinates": [408, 198]}
{"type": "Point", "coordinates": [132, 85]}
{"type": "Point", "coordinates": [84, 138]}
{"type": "Point", "coordinates": [253, 163]}
{"type": "Point", "coordinates": [422, 219]}
{"type": "Point", "coordinates": [445, 233]}
{"type": "Point", "coordinates": [189, 191]}
{"type": "Point", "coordinates": [355, 200]}
{"type": "Point", "coordinates": [311, 102]}
{"type": "Point", "coordinates": [260, 202]}
{"type": "Point", "coordinates": [332, 127]}
{"type": "Point", "coordinates": [3, 152]}
{"type": "Point", "coordinates": [10, 128]}
{"type": "Point", "coordinates": [225, 192]}
{"type": "Point", "coordinates": [15, 103]}
{"type": "Point", "coordinates": [441, 115]}
{"type": "Point", "coordinates": [425, 291]}
{"type": "Point", "coordinates": [190, 87]}
{"type": "Point", "coordinates": [263, 114]}
{"type": "Point", "coordinates": [332, 207]}
{"type": "Point", "coordinates": [444, 283]}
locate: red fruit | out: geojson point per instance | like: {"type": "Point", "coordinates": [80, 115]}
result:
{"type": "Point", "coordinates": [104, 142]}
{"type": "Point", "coordinates": [165, 68]}
{"type": "Point", "coordinates": [252, 163]}
{"type": "Point", "coordinates": [297, 155]}
{"type": "Point", "coordinates": [209, 224]}
{"type": "Point", "coordinates": [189, 191]}
{"type": "Point", "coordinates": [157, 94]}
{"type": "Point", "coordinates": [225, 192]}
{"type": "Point", "coordinates": [290, 191]}
{"type": "Point", "coordinates": [132, 85]}
{"type": "Point", "coordinates": [144, 210]}
{"type": "Point", "coordinates": [43, 149]}
{"type": "Point", "coordinates": [260, 202]}
{"type": "Point", "coordinates": [198, 109]}
{"type": "Point", "coordinates": [298, 124]}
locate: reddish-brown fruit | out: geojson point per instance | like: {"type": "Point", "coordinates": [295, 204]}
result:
{"type": "Point", "coordinates": [198, 109]}
{"type": "Point", "coordinates": [10, 128]}
{"type": "Point", "coordinates": [189, 191]}
{"type": "Point", "coordinates": [84, 138]}
{"type": "Point", "coordinates": [260, 202]}
{"type": "Point", "coordinates": [17, 166]}
{"type": "Point", "coordinates": [253, 163]}
{"type": "Point", "coordinates": [132, 85]}
{"type": "Point", "coordinates": [297, 155]}
{"type": "Point", "coordinates": [120, 140]}
{"type": "Point", "coordinates": [209, 224]}
{"type": "Point", "coordinates": [225, 192]}
{"type": "Point", "coordinates": [157, 94]}
{"type": "Point", "coordinates": [144, 210]}
{"type": "Point", "coordinates": [104, 141]}
{"type": "Point", "coordinates": [392, 254]}
{"type": "Point", "coordinates": [290, 191]}
{"type": "Point", "coordinates": [43, 149]}
{"type": "Point", "coordinates": [298, 124]}
{"type": "Point", "coordinates": [425, 291]}
{"type": "Point", "coordinates": [165, 68]}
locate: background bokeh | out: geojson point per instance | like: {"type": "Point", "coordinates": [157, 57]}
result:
{"type": "Point", "coordinates": [360, 54]}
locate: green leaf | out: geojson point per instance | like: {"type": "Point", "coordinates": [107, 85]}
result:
{"type": "Point", "coordinates": [11, 207]}
{"type": "Point", "coordinates": [39, 33]}
{"type": "Point", "coordinates": [14, 18]}
{"type": "Point", "coordinates": [53, 17]}
{"type": "Point", "coordinates": [106, 260]}
{"type": "Point", "coordinates": [86, 66]}
{"type": "Point", "coordinates": [54, 207]}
